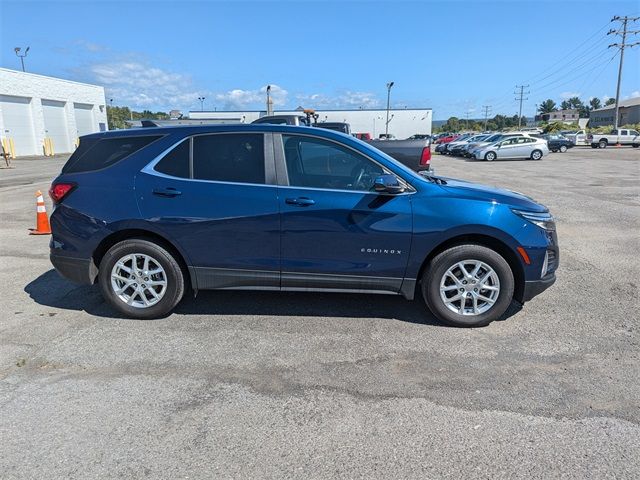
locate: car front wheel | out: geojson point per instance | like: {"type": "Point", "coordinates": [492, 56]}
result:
{"type": "Point", "coordinates": [490, 156]}
{"type": "Point", "coordinates": [468, 286]}
{"type": "Point", "coordinates": [141, 279]}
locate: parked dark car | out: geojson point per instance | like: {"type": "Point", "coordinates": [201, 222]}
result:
{"type": "Point", "coordinates": [151, 213]}
{"type": "Point", "coordinates": [558, 143]}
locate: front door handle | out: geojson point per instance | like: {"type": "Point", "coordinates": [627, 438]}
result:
{"type": "Point", "coordinates": [166, 192]}
{"type": "Point", "coordinates": [300, 201]}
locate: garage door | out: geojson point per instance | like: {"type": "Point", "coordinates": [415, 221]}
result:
{"type": "Point", "coordinates": [55, 125]}
{"type": "Point", "coordinates": [18, 123]}
{"type": "Point", "coordinates": [84, 119]}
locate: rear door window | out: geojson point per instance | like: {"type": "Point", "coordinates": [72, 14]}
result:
{"type": "Point", "coordinates": [233, 157]}
{"type": "Point", "coordinates": [95, 154]}
{"type": "Point", "coordinates": [176, 162]}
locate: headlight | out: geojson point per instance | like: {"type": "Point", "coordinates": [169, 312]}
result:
{"type": "Point", "coordinates": [543, 220]}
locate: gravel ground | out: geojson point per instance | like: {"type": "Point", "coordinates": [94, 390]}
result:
{"type": "Point", "coordinates": [269, 385]}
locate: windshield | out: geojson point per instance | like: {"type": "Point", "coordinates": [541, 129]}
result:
{"type": "Point", "coordinates": [494, 137]}
{"type": "Point", "coordinates": [478, 138]}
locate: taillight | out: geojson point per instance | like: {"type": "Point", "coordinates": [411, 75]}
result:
{"type": "Point", "coordinates": [425, 158]}
{"type": "Point", "coordinates": [60, 190]}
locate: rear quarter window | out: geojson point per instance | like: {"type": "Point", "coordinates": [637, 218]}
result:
{"type": "Point", "coordinates": [95, 154]}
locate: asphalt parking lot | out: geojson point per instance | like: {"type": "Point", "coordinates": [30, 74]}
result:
{"type": "Point", "coordinates": [239, 384]}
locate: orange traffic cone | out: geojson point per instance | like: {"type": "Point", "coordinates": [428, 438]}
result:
{"type": "Point", "coordinates": [42, 221]}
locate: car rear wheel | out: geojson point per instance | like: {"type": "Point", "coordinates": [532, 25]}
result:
{"type": "Point", "coordinates": [536, 155]}
{"type": "Point", "coordinates": [602, 144]}
{"type": "Point", "coordinates": [468, 286]}
{"type": "Point", "coordinates": [563, 148]}
{"type": "Point", "coordinates": [141, 279]}
{"type": "Point", "coordinates": [490, 156]}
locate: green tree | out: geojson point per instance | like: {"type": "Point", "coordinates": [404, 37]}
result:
{"type": "Point", "coordinates": [610, 101]}
{"type": "Point", "coordinates": [576, 103]}
{"type": "Point", "coordinates": [595, 103]}
{"type": "Point", "coordinates": [547, 106]}
{"type": "Point", "coordinates": [565, 105]}
{"type": "Point", "coordinates": [118, 116]}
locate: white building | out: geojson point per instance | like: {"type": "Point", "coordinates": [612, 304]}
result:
{"type": "Point", "coordinates": [403, 122]}
{"type": "Point", "coordinates": [34, 108]}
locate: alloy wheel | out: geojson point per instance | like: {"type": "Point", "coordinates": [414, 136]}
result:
{"type": "Point", "coordinates": [138, 280]}
{"type": "Point", "coordinates": [469, 287]}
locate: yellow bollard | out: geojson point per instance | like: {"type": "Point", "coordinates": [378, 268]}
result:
{"type": "Point", "coordinates": [12, 148]}
{"type": "Point", "coordinates": [51, 149]}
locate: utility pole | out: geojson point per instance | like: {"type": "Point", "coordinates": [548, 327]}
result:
{"type": "Point", "coordinates": [486, 109]}
{"type": "Point", "coordinates": [386, 129]}
{"type": "Point", "coordinates": [466, 119]}
{"type": "Point", "coordinates": [622, 45]}
{"type": "Point", "coordinates": [520, 98]}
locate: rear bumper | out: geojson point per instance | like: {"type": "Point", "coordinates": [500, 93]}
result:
{"type": "Point", "coordinates": [536, 287]}
{"type": "Point", "coordinates": [78, 270]}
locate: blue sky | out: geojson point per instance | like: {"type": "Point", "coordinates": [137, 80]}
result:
{"type": "Point", "coordinates": [453, 56]}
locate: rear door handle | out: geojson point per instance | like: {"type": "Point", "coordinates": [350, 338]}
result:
{"type": "Point", "coordinates": [166, 192]}
{"type": "Point", "coordinates": [300, 201]}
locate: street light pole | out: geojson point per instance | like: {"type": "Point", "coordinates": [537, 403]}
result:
{"type": "Point", "coordinates": [17, 50]}
{"type": "Point", "coordinates": [201, 103]}
{"type": "Point", "coordinates": [386, 129]}
{"type": "Point", "coordinates": [269, 102]}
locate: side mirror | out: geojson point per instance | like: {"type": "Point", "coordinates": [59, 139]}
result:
{"type": "Point", "coordinates": [387, 184]}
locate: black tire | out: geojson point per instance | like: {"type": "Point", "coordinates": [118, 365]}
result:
{"type": "Point", "coordinates": [430, 284]}
{"type": "Point", "coordinates": [635, 145]}
{"type": "Point", "coordinates": [594, 145]}
{"type": "Point", "coordinates": [554, 151]}
{"type": "Point", "coordinates": [563, 148]}
{"type": "Point", "coordinates": [490, 156]}
{"type": "Point", "coordinates": [602, 144]}
{"type": "Point", "coordinates": [174, 278]}
{"type": "Point", "coordinates": [536, 155]}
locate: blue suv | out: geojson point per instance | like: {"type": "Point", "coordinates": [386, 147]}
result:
{"type": "Point", "coordinates": [148, 213]}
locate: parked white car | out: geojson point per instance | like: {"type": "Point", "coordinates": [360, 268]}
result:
{"type": "Point", "coordinates": [578, 137]}
{"type": "Point", "coordinates": [514, 147]}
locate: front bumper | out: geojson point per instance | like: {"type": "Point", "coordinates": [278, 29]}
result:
{"type": "Point", "coordinates": [78, 270]}
{"type": "Point", "coordinates": [533, 288]}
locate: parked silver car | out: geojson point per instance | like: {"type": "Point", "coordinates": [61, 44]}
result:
{"type": "Point", "coordinates": [513, 147]}
{"type": "Point", "coordinates": [475, 147]}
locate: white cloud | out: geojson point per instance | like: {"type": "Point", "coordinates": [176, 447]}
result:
{"type": "Point", "coordinates": [634, 94]}
{"type": "Point", "coordinates": [139, 85]}
{"type": "Point", "coordinates": [345, 99]}
{"type": "Point", "coordinates": [238, 99]}
{"type": "Point", "coordinates": [568, 95]}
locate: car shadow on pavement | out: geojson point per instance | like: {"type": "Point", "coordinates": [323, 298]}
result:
{"type": "Point", "coordinates": [51, 290]}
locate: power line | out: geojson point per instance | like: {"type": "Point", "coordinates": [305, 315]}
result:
{"type": "Point", "coordinates": [521, 98]}
{"type": "Point", "coordinates": [561, 59]}
{"type": "Point", "coordinates": [575, 72]}
{"type": "Point", "coordinates": [622, 45]}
